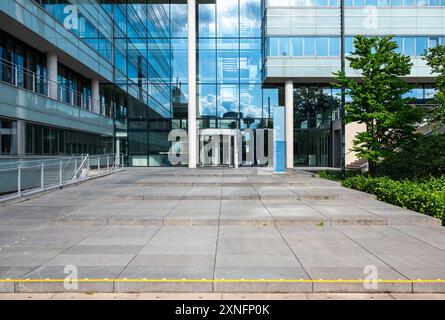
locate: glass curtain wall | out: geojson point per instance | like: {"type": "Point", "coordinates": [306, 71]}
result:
{"type": "Point", "coordinates": [313, 111]}
{"type": "Point", "coordinates": [230, 94]}
{"type": "Point", "coordinates": [151, 94]}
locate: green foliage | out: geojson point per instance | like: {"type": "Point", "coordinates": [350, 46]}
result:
{"type": "Point", "coordinates": [435, 59]}
{"type": "Point", "coordinates": [423, 158]}
{"type": "Point", "coordinates": [336, 175]}
{"type": "Point", "coordinates": [377, 98]}
{"type": "Point", "coordinates": [426, 196]}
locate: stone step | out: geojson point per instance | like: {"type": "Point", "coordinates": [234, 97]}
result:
{"type": "Point", "coordinates": [224, 221]}
{"type": "Point", "coordinates": [245, 197]}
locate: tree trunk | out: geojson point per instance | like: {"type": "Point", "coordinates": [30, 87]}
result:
{"type": "Point", "coordinates": [372, 166]}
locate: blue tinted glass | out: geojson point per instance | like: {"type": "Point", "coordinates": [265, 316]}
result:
{"type": "Point", "coordinates": [179, 60]}
{"type": "Point", "coordinates": [270, 100]}
{"type": "Point", "coordinates": [207, 100]}
{"type": "Point", "coordinates": [250, 60]}
{"type": "Point", "coordinates": [421, 45]}
{"type": "Point", "coordinates": [309, 47]}
{"type": "Point", "coordinates": [207, 60]}
{"type": "Point", "coordinates": [227, 18]}
{"type": "Point", "coordinates": [283, 47]}
{"type": "Point", "coordinates": [349, 45]}
{"type": "Point", "coordinates": [321, 3]}
{"type": "Point", "coordinates": [178, 19]}
{"type": "Point", "coordinates": [408, 47]}
{"type": "Point", "coordinates": [322, 45]}
{"type": "Point", "coordinates": [296, 47]}
{"type": "Point", "coordinates": [399, 42]}
{"type": "Point", "coordinates": [274, 47]}
{"type": "Point", "coordinates": [250, 18]}
{"type": "Point", "coordinates": [227, 60]}
{"type": "Point", "coordinates": [228, 100]}
{"type": "Point", "coordinates": [334, 47]}
{"type": "Point", "coordinates": [433, 41]}
{"type": "Point", "coordinates": [206, 20]}
{"type": "Point", "coordinates": [251, 101]}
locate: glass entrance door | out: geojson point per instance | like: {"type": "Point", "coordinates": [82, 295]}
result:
{"type": "Point", "coordinates": [218, 148]}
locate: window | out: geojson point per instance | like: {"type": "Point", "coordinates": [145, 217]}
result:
{"type": "Point", "coordinates": [322, 45]}
{"type": "Point", "coordinates": [296, 45]}
{"type": "Point", "coordinates": [309, 47]}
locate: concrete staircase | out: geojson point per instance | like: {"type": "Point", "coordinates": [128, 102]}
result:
{"type": "Point", "coordinates": [357, 165]}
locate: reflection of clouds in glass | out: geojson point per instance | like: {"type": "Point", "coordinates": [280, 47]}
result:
{"type": "Point", "coordinates": [179, 19]}
{"type": "Point", "coordinates": [250, 16]}
{"type": "Point", "coordinates": [206, 17]}
{"type": "Point", "coordinates": [249, 107]}
{"type": "Point", "coordinates": [208, 104]}
{"type": "Point", "coordinates": [227, 17]}
{"type": "Point", "coordinates": [227, 99]}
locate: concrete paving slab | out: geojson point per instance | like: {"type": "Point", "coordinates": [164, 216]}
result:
{"type": "Point", "coordinates": [180, 296]}
{"type": "Point", "coordinates": [250, 225]}
{"type": "Point", "coordinates": [350, 296]}
{"type": "Point", "coordinates": [264, 296]}
{"type": "Point", "coordinates": [27, 296]}
{"type": "Point", "coordinates": [93, 296]}
{"type": "Point", "coordinates": [424, 296]}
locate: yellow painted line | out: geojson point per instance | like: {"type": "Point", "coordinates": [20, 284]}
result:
{"type": "Point", "coordinates": [86, 280]}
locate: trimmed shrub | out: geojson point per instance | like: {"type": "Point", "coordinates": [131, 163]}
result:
{"type": "Point", "coordinates": [427, 196]}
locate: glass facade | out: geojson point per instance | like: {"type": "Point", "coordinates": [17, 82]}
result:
{"type": "Point", "coordinates": [355, 3]}
{"type": "Point", "coordinates": [152, 74]}
{"type": "Point", "coordinates": [44, 140]}
{"type": "Point", "coordinates": [8, 137]}
{"type": "Point", "coordinates": [146, 44]}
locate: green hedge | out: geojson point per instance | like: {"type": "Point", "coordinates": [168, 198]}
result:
{"type": "Point", "coordinates": [427, 196]}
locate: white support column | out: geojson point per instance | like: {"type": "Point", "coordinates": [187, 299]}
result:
{"type": "Point", "coordinates": [51, 65]}
{"type": "Point", "coordinates": [192, 127]}
{"type": "Point", "coordinates": [289, 105]}
{"type": "Point", "coordinates": [95, 96]}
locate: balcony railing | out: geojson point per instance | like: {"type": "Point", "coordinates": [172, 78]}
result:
{"type": "Point", "coordinates": [23, 78]}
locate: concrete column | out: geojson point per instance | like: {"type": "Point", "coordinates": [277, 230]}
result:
{"type": "Point", "coordinates": [289, 105]}
{"type": "Point", "coordinates": [192, 127]}
{"type": "Point", "coordinates": [51, 65]}
{"type": "Point", "coordinates": [95, 96]}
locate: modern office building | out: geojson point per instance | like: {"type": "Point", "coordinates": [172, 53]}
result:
{"type": "Point", "coordinates": [98, 76]}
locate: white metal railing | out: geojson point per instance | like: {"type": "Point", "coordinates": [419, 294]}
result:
{"type": "Point", "coordinates": [26, 177]}
{"type": "Point", "coordinates": [21, 77]}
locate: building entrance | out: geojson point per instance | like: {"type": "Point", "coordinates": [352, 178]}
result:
{"type": "Point", "coordinates": [219, 148]}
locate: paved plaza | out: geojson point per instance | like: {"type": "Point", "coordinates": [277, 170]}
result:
{"type": "Point", "coordinates": [217, 231]}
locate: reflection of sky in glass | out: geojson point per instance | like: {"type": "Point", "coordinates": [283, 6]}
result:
{"type": "Point", "coordinates": [207, 100]}
{"type": "Point", "coordinates": [178, 20]}
{"type": "Point", "coordinates": [227, 11]}
{"type": "Point", "coordinates": [228, 100]}
{"type": "Point", "coordinates": [250, 101]}
{"type": "Point", "coordinates": [206, 20]}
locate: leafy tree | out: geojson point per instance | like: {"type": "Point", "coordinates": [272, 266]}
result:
{"type": "Point", "coordinates": [378, 98]}
{"type": "Point", "coordinates": [435, 59]}
{"type": "Point", "coordinates": [420, 159]}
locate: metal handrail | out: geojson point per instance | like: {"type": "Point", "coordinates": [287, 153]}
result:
{"type": "Point", "coordinates": [24, 177]}
{"type": "Point", "coordinates": [45, 84]}
{"type": "Point", "coordinates": [81, 167]}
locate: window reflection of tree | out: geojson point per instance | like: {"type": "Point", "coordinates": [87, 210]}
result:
{"type": "Point", "coordinates": [313, 105]}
